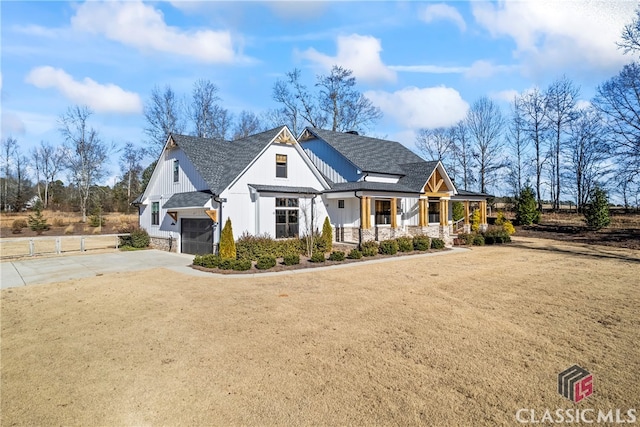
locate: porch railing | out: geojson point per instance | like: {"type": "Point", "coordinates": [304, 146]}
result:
{"type": "Point", "coordinates": [55, 245]}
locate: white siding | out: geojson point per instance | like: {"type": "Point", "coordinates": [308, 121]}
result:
{"type": "Point", "coordinates": [331, 163]}
{"type": "Point", "coordinates": [371, 177]}
{"type": "Point", "coordinates": [256, 213]}
{"type": "Point", "coordinates": [349, 216]}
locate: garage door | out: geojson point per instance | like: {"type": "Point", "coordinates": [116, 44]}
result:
{"type": "Point", "coordinates": [197, 236]}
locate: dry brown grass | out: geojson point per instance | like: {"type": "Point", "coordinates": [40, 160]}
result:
{"type": "Point", "coordinates": [463, 339]}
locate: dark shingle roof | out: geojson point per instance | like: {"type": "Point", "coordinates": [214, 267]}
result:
{"type": "Point", "coordinates": [417, 174]}
{"type": "Point", "coordinates": [220, 162]}
{"type": "Point", "coordinates": [370, 186]}
{"type": "Point", "coordinates": [473, 194]}
{"type": "Point", "coordinates": [369, 154]}
{"type": "Point", "coordinates": [284, 189]}
{"type": "Point", "coordinates": [191, 199]}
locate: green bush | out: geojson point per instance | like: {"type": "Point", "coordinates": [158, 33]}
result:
{"type": "Point", "coordinates": [527, 208]}
{"type": "Point", "coordinates": [336, 256]}
{"type": "Point", "coordinates": [96, 220]}
{"type": "Point", "coordinates": [288, 246]}
{"type": "Point", "coordinates": [241, 265]}
{"type": "Point", "coordinates": [210, 261]}
{"type": "Point", "coordinates": [354, 254]}
{"type": "Point", "coordinates": [465, 238]}
{"type": "Point", "coordinates": [496, 235]}
{"type": "Point", "coordinates": [138, 238]}
{"type": "Point", "coordinates": [18, 225]}
{"type": "Point", "coordinates": [327, 235]}
{"type": "Point", "coordinates": [388, 247]}
{"type": "Point", "coordinates": [227, 244]}
{"type": "Point", "coordinates": [266, 262]}
{"type": "Point", "coordinates": [226, 263]}
{"type": "Point", "coordinates": [437, 244]}
{"type": "Point", "coordinates": [317, 257]}
{"type": "Point", "coordinates": [369, 248]}
{"type": "Point", "coordinates": [421, 243]}
{"type": "Point", "coordinates": [291, 259]}
{"type": "Point", "coordinates": [253, 247]}
{"type": "Point", "coordinates": [596, 213]}
{"type": "Point", "coordinates": [37, 222]}
{"type": "Point", "coordinates": [405, 244]}
{"type": "Point", "coordinates": [478, 240]}
{"type": "Point", "coordinates": [457, 211]}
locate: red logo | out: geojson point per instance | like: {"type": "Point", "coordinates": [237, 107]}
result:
{"type": "Point", "coordinates": [575, 383]}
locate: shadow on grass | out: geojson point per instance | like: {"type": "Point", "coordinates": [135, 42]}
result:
{"type": "Point", "coordinates": [590, 252]}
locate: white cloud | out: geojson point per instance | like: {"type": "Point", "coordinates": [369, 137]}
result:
{"type": "Point", "coordinates": [445, 12]}
{"type": "Point", "coordinates": [12, 124]}
{"type": "Point", "coordinates": [551, 35]}
{"type": "Point", "coordinates": [361, 54]}
{"type": "Point", "coordinates": [429, 69]}
{"type": "Point", "coordinates": [101, 98]}
{"type": "Point", "coordinates": [416, 108]}
{"type": "Point", "coordinates": [482, 69]}
{"type": "Point", "coordinates": [505, 95]}
{"type": "Point", "coordinates": [143, 27]}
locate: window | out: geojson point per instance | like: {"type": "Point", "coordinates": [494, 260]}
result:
{"type": "Point", "coordinates": [434, 210]}
{"type": "Point", "coordinates": [176, 170]}
{"type": "Point", "coordinates": [340, 204]}
{"type": "Point", "coordinates": [281, 166]}
{"type": "Point", "coordinates": [286, 218]}
{"type": "Point", "coordinates": [155, 213]}
{"type": "Point", "coordinates": [383, 211]}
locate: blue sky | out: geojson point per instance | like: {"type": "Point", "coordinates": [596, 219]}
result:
{"type": "Point", "coordinates": [422, 63]}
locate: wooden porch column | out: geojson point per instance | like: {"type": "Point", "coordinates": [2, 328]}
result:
{"type": "Point", "coordinates": [364, 212]}
{"type": "Point", "coordinates": [483, 212]}
{"type": "Point", "coordinates": [394, 213]}
{"type": "Point", "coordinates": [466, 212]}
{"type": "Point", "coordinates": [444, 217]}
{"type": "Point", "coordinates": [423, 219]}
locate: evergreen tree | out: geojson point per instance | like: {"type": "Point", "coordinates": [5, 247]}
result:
{"type": "Point", "coordinates": [227, 244]}
{"type": "Point", "coordinates": [37, 222]}
{"type": "Point", "coordinates": [526, 207]}
{"type": "Point", "coordinates": [327, 234]}
{"type": "Point", "coordinates": [596, 213]}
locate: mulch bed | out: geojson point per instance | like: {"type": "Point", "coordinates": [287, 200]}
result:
{"type": "Point", "coordinates": [618, 237]}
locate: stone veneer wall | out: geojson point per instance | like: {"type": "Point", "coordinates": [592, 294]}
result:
{"type": "Point", "coordinates": [162, 244]}
{"type": "Point", "coordinates": [384, 233]}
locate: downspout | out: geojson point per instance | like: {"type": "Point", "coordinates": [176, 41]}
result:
{"type": "Point", "coordinates": [355, 193]}
{"type": "Point", "coordinates": [313, 203]}
{"type": "Point", "coordinates": [219, 231]}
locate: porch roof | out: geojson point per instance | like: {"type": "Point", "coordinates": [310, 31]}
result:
{"type": "Point", "coordinates": [283, 189]}
{"type": "Point", "coordinates": [191, 199]}
{"type": "Point", "coordinates": [387, 187]}
{"type": "Point", "coordinates": [470, 195]}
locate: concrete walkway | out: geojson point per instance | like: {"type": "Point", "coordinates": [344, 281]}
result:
{"type": "Point", "coordinates": [66, 267]}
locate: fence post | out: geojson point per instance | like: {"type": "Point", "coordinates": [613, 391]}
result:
{"type": "Point", "coordinates": [58, 246]}
{"type": "Point", "coordinates": [82, 244]}
{"type": "Point", "coordinates": [32, 247]}
{"type": "Point", "coordinates": [117, 242]}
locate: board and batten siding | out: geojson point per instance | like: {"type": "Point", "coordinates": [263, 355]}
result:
{"type": "Point", "coordinates": [162, 187]}
{"type": "Point", "coordinates": [255, 214]}
{"type": "Point", "coordinates": [330, 162]}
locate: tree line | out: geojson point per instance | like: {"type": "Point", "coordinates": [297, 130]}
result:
{"type": "Point", "coordinates": [548, 141]}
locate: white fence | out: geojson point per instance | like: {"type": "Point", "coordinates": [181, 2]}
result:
{"type": "Point", "coordinates": [55, 245]}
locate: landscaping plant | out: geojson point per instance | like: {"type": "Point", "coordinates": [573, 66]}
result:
{"type": "Point", "coordinates": [527, 208]}
{"type": "Point", "coordinates": [266, 262]}
{"type": "Point", "coordinates": [291, 259]}
{"type": "Point", "coordinates": [317, 257]}
{"type": "Point", "coordinates": [369, 248]}
{"type": "Point", "coordinates": [327, 235]}
{"type": "Point", "coordinates": [596, 213]}
{"type": "Point", "coordinates": [227, 244]}
{"type": "Point", "coordinates": [37, 222]}
{"type": "Point", "coordinates": [437, 244]}
{"type": "Point", "coordinates": [405, 244]}
{"type": "Point", "coordinates": [336, 256]}
{"type": "Point", "coordinates": [354, 254]}
{"type": "Point", "coordinates": [421, 243]}
{"type": "Point", "coordinates": [388, 247]}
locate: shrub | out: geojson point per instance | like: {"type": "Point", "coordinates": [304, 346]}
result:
{"type": "Point", "coordinates": [241, 265]}
{"type": "Point", "coordinates": [354, 254]}
{"type": "Point", "coordinates": [496, 235]}
{"type": "Point", "coordinates": [140, 238]}
{"type": "Point", "coordinates": [527, 208]}
{"type": "Point", "coordinates": [421, 243]}
{"type": "Point", "coordinates": [266, 262]}
{"type": "Point", "coordinates": [327, 235]}
{"type": "Point", "coordinates": [336, 256]}
{"type": "Point", "coordinates": [96, 220]}
{"type": "Point", "coordinates": [287, 246]}
{"type": "Point", "coordinates": [317, 257]}
{"type": "Point", "coordinates": [388, 247]}
{"type": "Point", "coordinates": [478, 240]}
{"type": "Point", "coordinates": [253, 247]}
{"type": "Point", "coordinates": [291, 259]}
{"type": "Point", "coordinates": [596, 213]}
{"type": "Point", "coordinates": [405, 244]}
{"type": "Point", "coordinates": [37, 222]}
{"type": "Point", "coordinates": [465, 238]}
{"type": "Point", "coordinates": [504, 223]}
{"type": "Point", "coordinates": [18, 225]}
{"type": "Point", "coordinates": [369, 248]}
{"type": "Point", "coordinates": [437, 244]}
{"type": "Point", "coordinates": [226, 263]}
{"type": "Point", "coordinates": [475, 221]}
{"type": "Point", "coordinates": [319, 244]}
{"type": "Point", "coordinates": [58, 222]}
{"type": "Point", "coordinates": [210, 261]}
{"type": "Point", "coordinates": [457, 211]}
{"type": "Point", "coordinates": [227, 244]}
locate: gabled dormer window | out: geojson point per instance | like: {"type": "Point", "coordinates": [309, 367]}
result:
{"type": "Point", "coordinates": [176, 170]}
{"type": "Point", "coordinates": [281, 165]}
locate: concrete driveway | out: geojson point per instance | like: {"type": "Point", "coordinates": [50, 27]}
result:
{"type": "Point", "coordinates": [65, 267]}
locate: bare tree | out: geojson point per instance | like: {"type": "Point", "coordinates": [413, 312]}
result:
{"type": "Point", "coordinates": [463, 155]}
{"type": "Point", "coordinates": [561, 98]}
{"type": "Point", "coordinates": [210, 120]}
{"type": "Point", "coordinates": [435, 144]}
{"type": "Point", "coordinates": [48, 162]}
{"type": "Point", "coordinates": [533, 108]}
{"type": "Point", "coordinates": [248, 124]}
{"type": "Point", "coordinates": [86, 153]}
{"type": "Point", "coordinates": [131, 169]}
{"type": "Point", "coordinates": [588, 154]}
{"type": "Point", "coordinates": [164, 115]}
{"type": "Point", "coordinates": [631, 35]}
{"type": "Point", "coordinates": [519, 145]}
{"type": "Point", "coordinates": [485, 123]}
{"type": "Point", "coordinates": [9, 149]}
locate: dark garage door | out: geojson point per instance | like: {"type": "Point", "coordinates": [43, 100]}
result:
{"type": "Point", "coordinates": [197, 236]}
